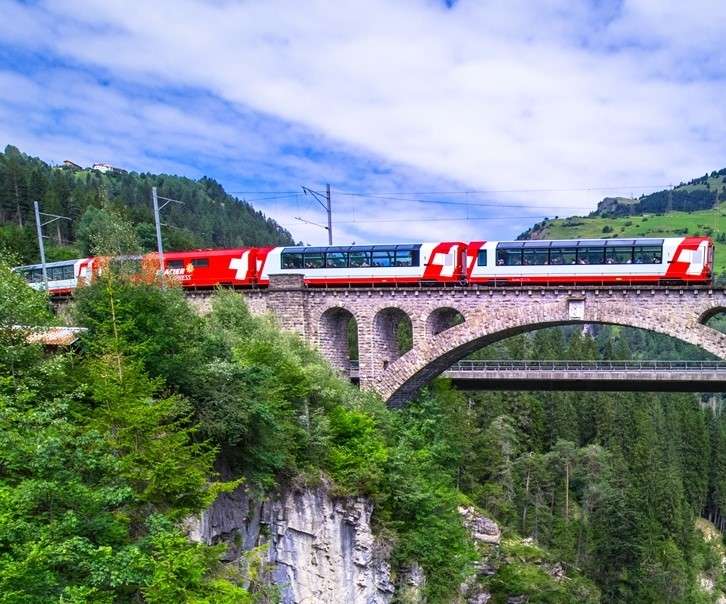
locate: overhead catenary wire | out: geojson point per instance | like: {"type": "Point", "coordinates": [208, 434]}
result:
{"type": "Point", "coordinates": [472, 191]}
{"type": "Point", "coordinates": [458, 219]}
{"type": "Point", "coordinates": [396, 196]}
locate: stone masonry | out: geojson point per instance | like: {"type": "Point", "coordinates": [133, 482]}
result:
{"type": "Point", "coordinates": [449, 323]}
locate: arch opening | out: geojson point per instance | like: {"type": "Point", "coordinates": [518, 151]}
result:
{"type": "Point", "coordinates": [338, 337]}
{"type": "Point", "coordinates": [392, 334]}
{"type": "Point", "coordinates": [462, 343]}
{"type": "Point", "coordinates": [715, 318]}
{"type": "Point", "coordinates": [442, 319]}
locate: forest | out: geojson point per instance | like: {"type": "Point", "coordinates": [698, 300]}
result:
{"type": "Point", "coordinates": [207, 217]}
{"type": "Point", "coordinates": [105, 450]}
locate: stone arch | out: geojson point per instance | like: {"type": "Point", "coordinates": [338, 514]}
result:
{"type": "Point", "coordinates": [336, 324]}
{"type": "Point", "coordinates": [441, 319]}
{"type": "Point", "coordinates": [417, 367]}
{"type": "Point", "coordinates": [711, 313]}
{"type": "Point", "coordinates": [386, 325]}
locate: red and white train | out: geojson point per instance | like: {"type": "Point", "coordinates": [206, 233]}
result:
{"type": "Point", "coordinates": [671, 261]}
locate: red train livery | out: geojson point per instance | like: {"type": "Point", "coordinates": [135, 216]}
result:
{"type": "Point", "coordinates": [671, 261]}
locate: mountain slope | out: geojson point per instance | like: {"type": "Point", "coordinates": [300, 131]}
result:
{"type": "Point", "coordinates": [625, 217]}
{"type": "Point", "coordinates": [209, 217]}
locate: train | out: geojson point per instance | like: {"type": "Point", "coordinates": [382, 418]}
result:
{"type": "Point", "coordinates": [612, 261]}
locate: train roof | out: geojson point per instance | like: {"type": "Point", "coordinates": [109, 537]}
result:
{"type": "Point", "coordinates": [352, 248]}
{"type": "Point", "coordinates": [541, 243]}
{"type": "Point", "coordinates": [206, 253]}
{"type": "Point", "coordinates": [50, 264]}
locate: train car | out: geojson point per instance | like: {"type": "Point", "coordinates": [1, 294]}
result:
{"type": "Point", "coordinates": [203, 269]}
{"type": "Point", "coordinates": [390, 264]}
{"type": "Point", "coordinates": [63, 276]}
{"type": "Point", "coordinates": [669, 261]}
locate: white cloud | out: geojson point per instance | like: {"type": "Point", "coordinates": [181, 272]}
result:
{"type": "Point", "coordinates": [489, 95]}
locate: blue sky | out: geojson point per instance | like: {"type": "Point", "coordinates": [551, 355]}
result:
{"type": "Point", "coordinates": [532, 109]}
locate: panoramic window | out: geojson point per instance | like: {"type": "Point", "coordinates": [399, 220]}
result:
{"type": "Point", "coordinates": [314, 260]}
{"type": "Point", "coordinates": [35, 275]}
{"type": "Point", "coordinates": [591, 255]}
{"type": "Point", "coordinates": [405, 258]}
{"type": "Point", "coordinates": [535, 256]}
{"type": "Point", "coordinates": [336, 260]}
{"type": "Point", "coordinates": [292, 260]}
{"type": "Point", "coordinates": [382, 258]}
{"type": "Point", "coordinates": [359, 259]}
{"type": "Point", "coordinates": [619, 255]}
{"type": "Point", "coordinates": [648, 254]}
{"type": "Point", "coordinates": [507, 257]}
{"type": "Point", "coordinates": [563, 255]}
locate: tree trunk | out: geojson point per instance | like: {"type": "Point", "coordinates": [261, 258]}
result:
{"type": "Point", "coordinates": [17, 204]}
{"type": "Point", "coordinates": [526, 500]}
{"type": "Point", "coordinates": [567, 491]}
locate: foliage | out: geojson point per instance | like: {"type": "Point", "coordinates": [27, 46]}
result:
{"type": "Point", "coordinates": [96, 470]}
{"type": "Point", "coordinates": [104, 451]}
{"type": "Point", "coordinates": [209, 217]}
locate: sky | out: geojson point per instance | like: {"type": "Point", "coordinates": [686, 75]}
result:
{"type": "Point", "coordinates": [430, 119]}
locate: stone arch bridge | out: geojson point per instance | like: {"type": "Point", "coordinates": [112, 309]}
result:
{"type": "Point", "coordinates": [449, 323]}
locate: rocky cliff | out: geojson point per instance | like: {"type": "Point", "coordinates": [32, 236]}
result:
{"type": "Point", "coordinates": [319, 549]}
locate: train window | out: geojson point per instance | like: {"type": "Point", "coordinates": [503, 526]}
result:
{"type": "Point", "coordinates": [508, 257]}
{"type": "Point", "coordinates": [648, 255]}
{"type": "Point", "coordinates": [563, 255]}
{"type": "Point", "coordinates": [58, 273]}
{"type": "Point", "coordinates": [35, 275]}
{"type": "Point", "coordinates": [336, 260]}
{"type": "Point", "coordinates": [406, 258]}
{"type": "Point", "coordinates": [292, 260]}
{"type": "Point", "coordinates": [535, 256]}
{"type": "Point", "coordinates": [359, 259]}
{"type": "Point", "coordinates": [591, 255]}
{"type": "Point", "coordinates": [481, 258]}
{"type": "Point", "coordinates": [175, 264]}
{"type": "Point", "coordinates": [200, 262]}
{"type": "Point", "coordinates": [314, 260]}
{"type": "Point", "coordinates": [619, 255]}
{"type": "Point", "coordinates": [382, 258]}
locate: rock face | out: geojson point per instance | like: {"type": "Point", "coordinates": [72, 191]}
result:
{"type": "Point", "coordinates": [320, 549]}
{"type": "Point", "coordinates": [481, 528]}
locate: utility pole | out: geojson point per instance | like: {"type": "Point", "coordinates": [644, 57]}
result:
{"type": "Point", "coordinates": [157, 222]}
{"type": "Point", "coordinates": [324, 200]}
{"type": "Point", "coordinates": [39, 230]}
{"type": "Point", "coordinates": [41, 245]}
{"type": "Point", "coordinates": [155, 197]}
{"type": "Point", "coordinates": [330, 214]}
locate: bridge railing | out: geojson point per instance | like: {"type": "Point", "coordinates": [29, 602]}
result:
{"type": "Point", "coordinates": [500, 365]}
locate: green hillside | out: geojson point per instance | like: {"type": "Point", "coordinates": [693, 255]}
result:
{"type": "Point", "coordinates": [667, 224]}
{"type": "Point", "coordinates": [208, 217]}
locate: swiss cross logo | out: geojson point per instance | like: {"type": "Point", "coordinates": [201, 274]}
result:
{"type": "Point", "coordinates": [445, 262]}
{"type": "Point", "coordinates": [241, 265]}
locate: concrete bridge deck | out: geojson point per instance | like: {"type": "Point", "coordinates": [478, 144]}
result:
{"type": "Point", "coordinates": [610, 376]}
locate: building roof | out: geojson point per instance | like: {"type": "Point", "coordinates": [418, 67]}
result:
{"type": "Point", "coordinates": [51, 336]}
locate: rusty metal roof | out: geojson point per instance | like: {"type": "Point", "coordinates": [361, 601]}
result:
{"type": "Point", "coordinates": [51, 336]}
